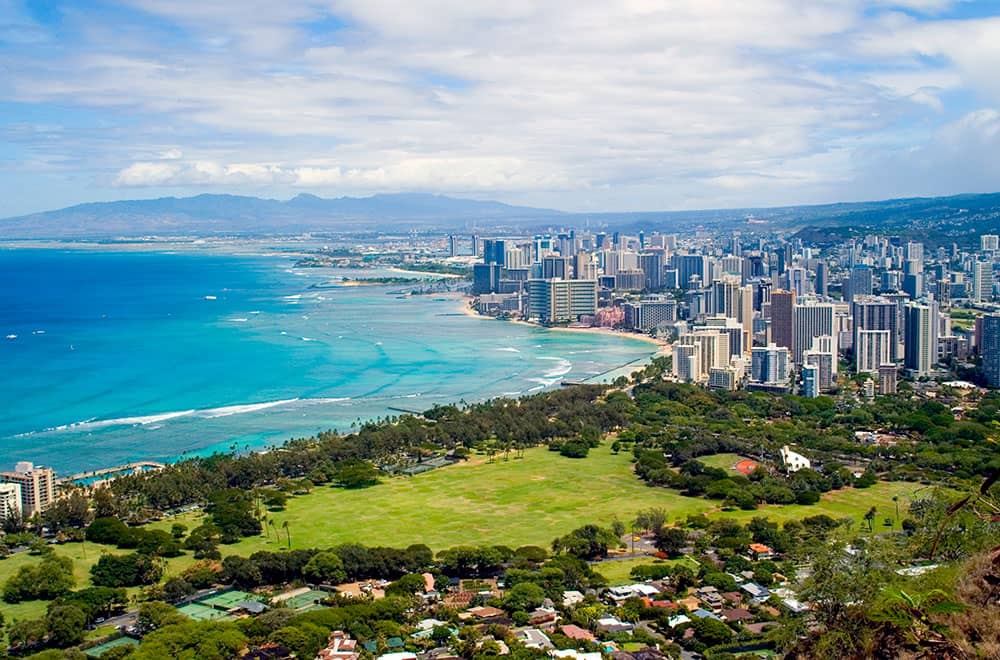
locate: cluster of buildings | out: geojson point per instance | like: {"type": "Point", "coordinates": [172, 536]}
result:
{"type": "Point", "coordinates": [760, 312]}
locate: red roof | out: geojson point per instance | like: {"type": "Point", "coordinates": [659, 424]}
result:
{"type": "Point", "coordinates": [760, 548]}
{"type": "Point", "coordinates": [746, 467]}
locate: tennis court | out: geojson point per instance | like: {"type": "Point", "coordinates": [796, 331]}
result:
{"type": "Point", "coordinates": [200, 612]}
{"type": "Point", "coordinates": [306, 599]}
{"type": "Point", "coordinates": [228, 599]}
{"type": "Point", "coordinates": [100, 649]}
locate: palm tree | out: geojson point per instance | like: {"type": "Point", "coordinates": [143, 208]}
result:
{"type": "Point", "coordinates": [288, 533]}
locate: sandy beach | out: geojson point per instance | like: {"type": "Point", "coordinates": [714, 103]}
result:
{"type": "Point", "coordinates": [663, 347]}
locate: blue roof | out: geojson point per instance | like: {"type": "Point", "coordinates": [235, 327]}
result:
{"type": "Point", "coordinates": [704, 614]}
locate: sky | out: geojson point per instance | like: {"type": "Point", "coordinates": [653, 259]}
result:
{"type": "Point", "coordinates": [580, 105]}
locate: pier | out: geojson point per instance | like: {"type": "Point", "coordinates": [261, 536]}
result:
{"type": "Point", "coordinates": [112, 472]}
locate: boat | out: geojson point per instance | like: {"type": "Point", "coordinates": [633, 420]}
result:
{"type": "Point", "coordinates": [11, 336]}
{"type": "Point", "coordinates": [210, 298]}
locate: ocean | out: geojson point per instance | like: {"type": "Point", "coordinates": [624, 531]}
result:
{"type": "Point", "coordinates": [109, 357]}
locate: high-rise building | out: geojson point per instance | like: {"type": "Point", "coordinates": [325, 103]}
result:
{"type": "Point", "coordinates": [559, 301]}
{"type": "Point", "coordinates": [651, 263]}
{"type": "Point", "coordinates": [494, 251]}
{"type": "Point", "coordinates": [823, 357]}
{"type": "Point", "coordinates": [861, 281]}
{"type": "Point", "coordinates": [887, 378]}
{"type": "Point", "coordinates": [630, 280]}
{"type": "Point", "coordinates": [713, 349]}
{"type": "Point", "coordinates": [989, 242]}
{"type": "Point", "coordinates": [688, 266]}
{"type": "Point", "coordinates": [10, 501]}
{"type": "Point", "coordinates": [982, 281]}
{"type": "Point", "coordinates": [810, 320]}
{"type": "Point", "coordinates": [871, 350]}
{"type": "Point", "coordinates": [921, 338]}
{"type": "Point", "coordinates": [486, 278]}
{"type": "Point", "coordinates": [38, 486]}
{"type": "Point", "coordinates": [770, 365]}
{"type": "Point", "coordinates": [810, 381]}
{"type": "Point", "coordinates": [822, 279]}
{"type": "Point", "coordinates": [686, 362]}
{"type": "Point", "coordinates": [782, 318]}
{"type": "Point", "coordinates": [990, 348]}
{"type": "Point", "coordinates": [879, 313]}
{"type": "Point", "coordinates": [651, 313]}
{"type": "Point", "coordinates": [555, 268]}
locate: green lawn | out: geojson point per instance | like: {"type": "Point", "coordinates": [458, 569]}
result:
{"type": "Point", "coordinates": [725, 462]}
{"type": "Point", "coordinates": [618, 571]}
{"type": "Point", "coordinates": [516, 502]}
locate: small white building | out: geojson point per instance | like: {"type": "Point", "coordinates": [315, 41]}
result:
{"type": "Point", "coordinates": [794, 461]}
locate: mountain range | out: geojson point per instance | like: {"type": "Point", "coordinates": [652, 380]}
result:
{"type": "Point", "coordinates": [936, 220]}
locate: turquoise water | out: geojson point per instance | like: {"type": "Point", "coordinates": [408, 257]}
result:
{"type": "Point", "coordinates": [122, 356]}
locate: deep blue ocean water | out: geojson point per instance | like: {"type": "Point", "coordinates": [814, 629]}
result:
{"type": "Point", "coordinates": [109, 357]}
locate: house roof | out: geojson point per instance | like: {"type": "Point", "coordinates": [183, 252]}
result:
{"type": "Point", "coordinates": [737, 614]}
{"type": "Point", "coordinates": [576, 632]}
{"type": "Point", "coordinates": [760, 548]}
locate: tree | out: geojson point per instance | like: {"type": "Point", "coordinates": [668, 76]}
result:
{"type": "Point", "coordinates": [587, 542]}
{"type": "Point", "coordinates": [525, 596]}
{"type": "Point", "coordinates": [356, 474]}
{"type": "Point", "coordinates": [711, 632]}
{"type": "Point", "coordinates": [126, 570]}
{"type": "Point", "coordinates": [670, 540]}
{"type": "Point", "coordinates": [192, 640]}
{"type": "Point", "coordinates": [27, 631]}
{"type": "Point", "coordinates": [155, 614]}
{"type": "Point", "coordinates": [51, 578]}
{"type": "Point", "coordinates": [651, 520]}
{"type": "Point", "coordinates": [66, 625]}
{"type": "Point", "coordinates": [409, 584]}
{"type": "Point", "coordinates": [204, 541]}
{"type": "Point", "coordinates": [326, 566]}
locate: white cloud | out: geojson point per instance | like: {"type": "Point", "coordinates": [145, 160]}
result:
{"type": "Point", "coordinates": [640, 103]}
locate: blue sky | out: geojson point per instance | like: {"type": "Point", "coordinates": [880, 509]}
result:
{"type": "Point", "coordinates": [573, 104]}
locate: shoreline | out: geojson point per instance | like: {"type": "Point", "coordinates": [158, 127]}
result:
{"type": "Point", "coordinates": [661, 344]}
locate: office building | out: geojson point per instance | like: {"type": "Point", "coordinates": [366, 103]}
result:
{"type": "Point", "coordinates": [560, 301]}
{"type": "Point", "coordinates": [630, 280]}
{"type": "Point", "coordinates": [989, 242]}
{"type": "Point", "coordinates": [38, 486]}
{"type": "Point", "coordinates": [782, 316]}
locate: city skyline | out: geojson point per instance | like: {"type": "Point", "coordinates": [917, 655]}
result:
{"type": "Point", "coordinates": [570, 107]}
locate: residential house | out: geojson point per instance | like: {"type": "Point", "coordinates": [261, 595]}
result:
{"type": "Point", "coordinates": [533, 638]}
{"type": "Point", "coordinates": [577, 633]}
{"type": "Point", "coordinates": [611, 624]}
{"type": "Point", "coordinates": [760, 551]}
{"type": "Point", "coordinates": [737, 615]}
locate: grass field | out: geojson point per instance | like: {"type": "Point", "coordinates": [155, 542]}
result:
{"type": "Point", "coordinates": [618, 571]}
{"type": "Point", "coordinates": [722, 461]}
{"type": "Point", "coordinates": [517, 502]}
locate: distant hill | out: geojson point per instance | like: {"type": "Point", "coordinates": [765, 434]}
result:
{"type": "Point", "coordinates": [205, 215]}
{"type": "Point", "coordinates": [935, 220]}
